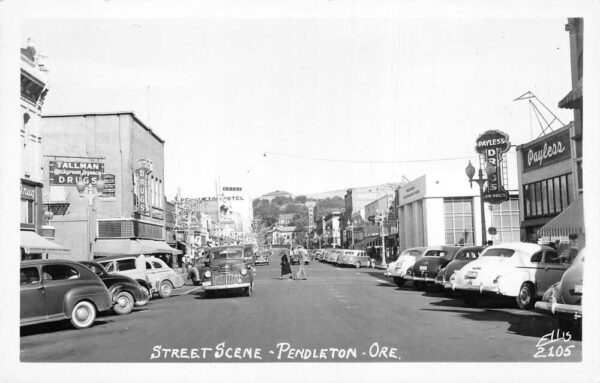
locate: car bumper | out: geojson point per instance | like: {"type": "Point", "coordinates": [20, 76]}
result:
{"type": "Point", "coordinates": [225, 287]}
{"type": "Point", "coordinates": [422, 279]}
{"type": "Point", "coordinates": [560, 308]}
{"type": "Point", "coordinates": [481, 288]}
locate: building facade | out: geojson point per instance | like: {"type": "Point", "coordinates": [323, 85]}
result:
{"type": "Point", "coordinates": [444, 210]}
{"type": "Point", "coordinates": [33, 217]}
{"type": "Point", "coordinates": [118, 151]}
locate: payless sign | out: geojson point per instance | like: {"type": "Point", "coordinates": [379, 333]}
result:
{"type": "Point", "coordinates": [547, 151]}
{"type": "Point", "coordinates": [492, 144]}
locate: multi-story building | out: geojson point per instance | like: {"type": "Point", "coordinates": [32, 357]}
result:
{"type": "Point", "coordinates": [118, 151]}
{"type": "Point", "coordinates": [332, 230]}
{"type": "Point", "coordinates": [34, 88]}
{"type": "Point", "coordinates": [550, 170]}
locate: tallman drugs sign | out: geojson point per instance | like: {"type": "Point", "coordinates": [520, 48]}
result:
{"type": "Point", "coordinates": [70, 172]}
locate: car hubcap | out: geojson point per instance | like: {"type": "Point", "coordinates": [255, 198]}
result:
{"type": "Point", "coordinates": [123, 301]}
{"type": "Point", "coordinates": [82, 314]}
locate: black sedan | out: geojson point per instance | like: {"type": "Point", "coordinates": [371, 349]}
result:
{"type": "Point", "coordinates": [126, 292]}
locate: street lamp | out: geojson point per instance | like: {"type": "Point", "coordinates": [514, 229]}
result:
{"type": "Point", "coordinates": [379, 218]}
{"type": "Point", "coordinates": [490, 169]}
{"type": "Point", "coordinates": [90, 192]}
{"type": "Point", "coordinates": [351, 227]}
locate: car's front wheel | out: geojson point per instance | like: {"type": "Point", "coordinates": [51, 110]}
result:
{"type": "Point", "coordinates": [526, 296]}
{"type": "Point", "coordinates": [83, 314]}
{"type": "Point", "coordinates": [125, 302]}
{"type": "Point", "coordinates": [357, 265]}
{"type": "Point", "coordinates": [166, 288]}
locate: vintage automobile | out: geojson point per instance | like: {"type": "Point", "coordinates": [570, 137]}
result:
{"type": "Point", "coordinates": [151, 273]}
{"type": "Point", "coordinates": [126, 292]}
{"type": "Point", "coordinates": [463, 256]}
{"type": "Point", "coordinates": [54, 290]}
{"type": "Point", "coordinates": [356, 258]}
{"type": "Point", "coordinates": [397, 269]}
{"type": "Point", "coordinates": [523, 271]}
{"type": "Point", "coordinates": [262, 257]}
{"type": "Point", "coordinates": [425, 269]}
{"type": "Point", "coordinates": [563, 299]}
{"type": "Point", "coordinates": [249, 254]}
{"type": "Point", "coordinates": [224, 269]}
{"type": "Point", "coordinates": [332, 256]}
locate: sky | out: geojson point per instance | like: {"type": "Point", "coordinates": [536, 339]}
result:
{"type": "Point", "coordinates": [308, 104]}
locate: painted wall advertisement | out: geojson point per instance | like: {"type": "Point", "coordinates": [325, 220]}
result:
{"type": "Point", "coordinates": [492, 144]}
{"type": "Point", "coordinates": [109, 185]}
{"type": "Point", "coordinates": [70, 172]}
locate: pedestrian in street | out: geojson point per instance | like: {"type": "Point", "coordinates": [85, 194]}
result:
{"type": "Point", "coordinates": [286, 269]}
{"type": "Point", "coordinates": [303, 262]}
{"type": "Point", "coordinates": [571, 251]}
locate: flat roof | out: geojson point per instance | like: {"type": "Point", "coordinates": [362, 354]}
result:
{"type": "Point", "coordinates": [135, 118]}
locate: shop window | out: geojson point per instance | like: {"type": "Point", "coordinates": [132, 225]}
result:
{"type": "Point", "coordinates": [458, 220]}
{"type": "Point", "coordinates": [547, 197]}
{"type": "Point", "coordinates": [27, 211]}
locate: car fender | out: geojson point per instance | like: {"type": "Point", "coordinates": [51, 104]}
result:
{"type": "Point", "coordinates": [510, 283]}
{"type": "Point", "coordinates": [98, 295]}
{"type": "Point", "coordinates": [125, 286]}
{"type": "Point", "coordinates": [193, 272]}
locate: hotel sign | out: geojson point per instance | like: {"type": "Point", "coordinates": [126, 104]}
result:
{"type": "Point", "coordinates": [70, 172]}
{"type": "Point", "coordinates": [492, 144]}
{"type": "Point", "coordinates": [549, 150]}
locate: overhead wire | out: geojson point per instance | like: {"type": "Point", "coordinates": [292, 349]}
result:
{"type": "Point", "coordinates": [366, 161]}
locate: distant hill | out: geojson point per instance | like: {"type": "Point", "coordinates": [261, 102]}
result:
{"type": "Point", "coordinates": [329, 194]}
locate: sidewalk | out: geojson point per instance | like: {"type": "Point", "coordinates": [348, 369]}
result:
{"type": "Point", "coordinates": [379, 266]}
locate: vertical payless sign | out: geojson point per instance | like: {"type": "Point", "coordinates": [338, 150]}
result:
{"type": "Point", "coordinates": [492, 144]}
{"type": "Point", "coordinates": [311, 206]}
{"type": "Point", "coordinates": [142, 170]}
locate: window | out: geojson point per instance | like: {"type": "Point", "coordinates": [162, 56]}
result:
{"type": "Point", "coordinates": [108, 266]}
{"type": "Point", "coordinates": [505, 218]}
{"type": "Point", "coordinates": [148, 266]}
{"type": "Point", "coordinates": [125, 264]}
{"type": "Point", "coordinates": [547, 197]}
{"type": "Point", "coordinates": [551, 256]}
{"type": "Point", "coordinates": [537, 257]}
{"type": "Point", "coordinates": [30, 276]}
{"type": "Point", "coordinates": [471, 254]}
{"type": "Point", "coordinates": [504, 253]}
{"type": "Point", "coordinates": [59, 272]}
{"type": "Point", "coordinates": [27, 211]}
{"type": "Point", "coordinates": [458, 220]}
{"type": "Point", "coordinates": [157, 265]}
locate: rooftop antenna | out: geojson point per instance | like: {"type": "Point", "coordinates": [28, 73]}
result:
{"type": "Point", "coordinates": [534, 104]}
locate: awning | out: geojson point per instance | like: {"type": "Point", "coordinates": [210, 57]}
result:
{"type": "Point", "coordinates": [569, 221]}
{"type": "Point", "coordinates": [106, 247]}
{"type": "Point", "coordinates": [32, 242]}
{"type": "Point", "coordinates": [573, 99]}
{"type": "Point", "coordinates": [367, 241]}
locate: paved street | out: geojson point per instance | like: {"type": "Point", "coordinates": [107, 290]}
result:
{"type": "Point", "coordinates": [338, 314]}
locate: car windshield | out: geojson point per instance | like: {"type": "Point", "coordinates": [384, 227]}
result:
{"type": "Point", "coordinates": [413, 252]}
{"type": "Point", "coordinates": [228, 253]}
{"type": "Point", "coordinates": [498, 252]}
{"type": "Point", "coordinates": [467, 254]}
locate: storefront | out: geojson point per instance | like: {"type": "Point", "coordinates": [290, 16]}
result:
{"type": "Point", "coordinates": [546, 181]}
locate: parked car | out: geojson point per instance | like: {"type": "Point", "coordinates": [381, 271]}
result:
{"type": "Point", "coordinates": [262, 257]}
{"type": "Point", "coordinates": [152, 273]}
{"type": "Point", "coordinates": [520, 270]}
{"type": "Point", "coordinates": [425, 269]}
{"type": "Point", "coordinates": [332, 256]}
{"type": "Point", "coordinates": [356, 258]}
{"type": "Point", "coordinates": [126, 292]}
{"type": "Point", "coordinates": [54, 290]}
{"type": "Point", "coordinates": [563, 299]}
{"type": "Point", "coordinates": [463, 256]}
{"type": "Point", "coordinates": [225, 269]}
{"type": "Point", "coordinates": [397, 269]}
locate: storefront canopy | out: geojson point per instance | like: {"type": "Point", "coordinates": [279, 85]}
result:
{"type": "Point", "coordinates": [31, 242]}
{"type": "Point", "coordinates": [569, 221]}
{"type": "Point", "coordinates": [367, 241]}
{"type": "Point", "coordinates": [106, 247]}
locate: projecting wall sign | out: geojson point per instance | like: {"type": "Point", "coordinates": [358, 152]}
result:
{"type": "Point", "coordinates": [492, 144]}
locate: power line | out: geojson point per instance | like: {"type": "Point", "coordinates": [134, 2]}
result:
{"type": "Point", "coordinates": [366, 161]}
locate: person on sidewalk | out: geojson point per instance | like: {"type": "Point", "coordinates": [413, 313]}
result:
{"type": "Point", "coordinates": [286, 269]}
{"type": "Point", "coordinates": [303, 262]}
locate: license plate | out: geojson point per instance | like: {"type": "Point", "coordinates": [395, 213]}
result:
{"type": "Point", "coordinates": [471, 274]}
{"type": "Point", "coordinates": [578, 289]}
{"type": "Point", "coordinates": [206, 283]}
{"type": "Point", "coordinates": [423, 268]}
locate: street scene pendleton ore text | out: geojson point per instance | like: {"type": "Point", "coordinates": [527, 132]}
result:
{"type": "Point", "coordinates": [292, 191]}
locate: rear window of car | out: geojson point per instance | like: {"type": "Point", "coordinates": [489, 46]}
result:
{"type": "Point", "coordinates": [436, 253]}
{"type": "Point", "coordinates": [498, 252]}
{"type": "Point", "coordinates": [125, 264]}
{"type": "Point", "coordinates": [157, 265]}
{"type": "Point", "coordinates": [470, 254]}
{"type": "Point", "coordinates": [414, 253]}
{"type": "Point", "coordinates": [59, 272]}
{"type": "Point", "coordinates": [30, 276]}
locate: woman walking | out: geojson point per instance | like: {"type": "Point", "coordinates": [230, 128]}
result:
{"type": "Point", "coordinates": [286, 269]}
